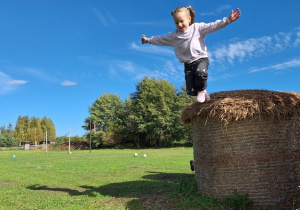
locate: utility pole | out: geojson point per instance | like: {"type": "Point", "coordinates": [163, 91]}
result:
{"type": "Point", "coordinates": [46, 142]}
{"type": "Point", "coordinates": [70, 141]}
{"type": "Point", "coordinates": [90, 134]}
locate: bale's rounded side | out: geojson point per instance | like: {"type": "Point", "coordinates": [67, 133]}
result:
{"type": "Point", "coordinates": [259, 156]}
{"type": "Point", "coordinates": [247, 140]}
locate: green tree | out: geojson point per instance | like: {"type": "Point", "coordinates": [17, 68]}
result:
{"type": "Point", "coordinates": [156, 107]}
{"type": "Point", "coordinates": [48, 126]}
{"type": "Point", "coordinates": [130, 132]}
{"type": "Point", "coordinates": [33, 129]}
{"type": "Point", "coordinates": [181, 131]}
{"type": "Point", "coordinates": [36, 130]}
{"type": "Point", "coordinates": [20, 129]}
{"type": "Point", "coordinates": [106, 115]}
{"type": "Point", "coordinates": [27, 128]}
{"type": "Point", "coordinates": [10, 129]}
{"type": "Point", "coordinates": [149, 117]}
{"type": "Point", "coordinates": [3, 130]}
{"type": "Point", "coordinates": [8, 141]}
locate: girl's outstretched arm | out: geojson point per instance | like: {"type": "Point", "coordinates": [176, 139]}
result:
{"type": "Point", "coordinates": [234, 15]}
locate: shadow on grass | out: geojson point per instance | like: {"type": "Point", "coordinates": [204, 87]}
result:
{"type": "Point", "coordinates": [155, 188]}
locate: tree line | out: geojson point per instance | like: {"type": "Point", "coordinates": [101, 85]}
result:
{"type": "Point", "coordinates": [150, 116]}
{"type": "Point", "coordinates": [28, 129]}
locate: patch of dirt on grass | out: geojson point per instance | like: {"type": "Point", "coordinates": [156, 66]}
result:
{"type": "Point", "coordinates": [113, 202]}
{"type": "Point", "coordinates": [155, 201]}
{"type": "Point", "coordinates": [5, 183]}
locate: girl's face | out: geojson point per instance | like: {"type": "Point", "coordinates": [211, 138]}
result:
{"type": "Point", "coordinates": [182, 21]}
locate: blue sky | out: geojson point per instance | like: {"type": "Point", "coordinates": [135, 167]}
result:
{"type": "Point", "coordinates": [58, 56]}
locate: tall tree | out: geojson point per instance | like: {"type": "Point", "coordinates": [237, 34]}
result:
{"type": "Point", "coordinates": [130, 132]}
{"type": "Point", "coordinates": [105, 114]}
{"type": "Point", "coordinates": [36, 130]}
{"type": "Point", "coordinates": [182, 131]}
{"type": "Point", "coordinates": [33, 129]}
{"type": "Point", "coordinates": [48, 126]}
{"type": "Point", "coordinates": [9, 131]}
{"type": "Point", "coordinates": [20, 129]}
{"type": "Point", "coordinates": [154, 104]}
{"type": "Point", "coordinates": [3, 130]}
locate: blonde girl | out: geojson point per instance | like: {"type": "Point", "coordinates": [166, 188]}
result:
{"type": "Point", "coordinates": [188, 42]}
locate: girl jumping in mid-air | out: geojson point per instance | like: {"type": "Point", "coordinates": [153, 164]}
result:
{"type": "Point", "coordinates": [189, 46]}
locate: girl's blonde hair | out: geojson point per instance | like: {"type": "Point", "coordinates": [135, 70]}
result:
{"type": "Point", "coordinates": [189, 11]}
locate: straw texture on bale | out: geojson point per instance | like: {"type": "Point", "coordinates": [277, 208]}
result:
{"type": "Point", "coordinates": [236, 105]}
{"type": "Point", "coordinates": [247, 140]}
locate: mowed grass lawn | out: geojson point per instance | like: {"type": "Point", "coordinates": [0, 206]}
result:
{"type": "Point", "coordinates": [102, 179]}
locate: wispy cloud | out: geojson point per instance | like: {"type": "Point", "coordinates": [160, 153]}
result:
{"type": "Point", "coordinates": [7, 84]}
{"type": "Point", "coordinates": [170, 71]}
{"type": "Point", "coordinates": [217, 11]}
{"type": "Point", "coordinates": [152, 49]}
{"type": "Point", "coordinates": [289, 64]}
{"type": "Point", "coordinates": [17, 82]}
{"type": "Point", "coordinates": [106, 18]}
{"type": "Point", "coordinates": [253, 47]}
{"type": "Point", "coordinates": [68, 83]}
{"type": "Point", "coordinates": [166, 68]}
{"type": "Point", "coordinates": [37, 73]}
{"type": "Point", "coordinates": [297, 40]}
{"type": "Point", "coordinates": [121, 67]}
{"type": "Point", "coordinates": [146, 23]}
{"type": "Point", "coordinates": [128, 66]}
{"type": "Point", "coordinates": [118, 68]}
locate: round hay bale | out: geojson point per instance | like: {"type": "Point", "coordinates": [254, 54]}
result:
{"type": "Point", "coordinates": [247, 140]}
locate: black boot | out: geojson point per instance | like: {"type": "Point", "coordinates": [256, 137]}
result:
{"type": "Point", "coordinates": [192, 165]}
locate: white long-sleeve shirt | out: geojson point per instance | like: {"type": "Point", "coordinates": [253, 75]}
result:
{"type": "Point", "coordinates": [189, 45]}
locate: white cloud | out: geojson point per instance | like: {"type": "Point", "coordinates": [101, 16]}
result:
{"type": "Point", "coordinates": [128, 66]}
{"type": "Point", "coordinates": [38, 74]}
{"type": "Point", "coordinates": [170, 71]}
{"type": "Point", "coordinates": [217, 11]}
{"type": "Point", "coordinates": [253, 47]}
{"type": "Point", "coordinates": [297, 40]}
{"type": "Point", "coordinates": [68, 83]}
{"type": "Point", "coordinates": [144, 23]}
{"type": "Point", "coordinates": [147, 48]}
{"type": "Point", "coordinates": [16, 82]}
{"type": "Point", "coordinates": [101, 17]}
{"type": "Point", "coordinates": [289, 64]}
{"type": "Point", "coordinates": [123, 68]}
{"type": "Point", "coordinates": [106, 19]}
{"type": "Point", "coordinates": [7, 84]}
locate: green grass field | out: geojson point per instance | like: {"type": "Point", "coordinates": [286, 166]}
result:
{"type": "Point", "coordinates": [102, 179]}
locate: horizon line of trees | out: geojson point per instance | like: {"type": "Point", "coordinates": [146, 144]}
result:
{"type": "Point", "coordinates": [28, 129]}
{"type": "Point", "coordinates": [150, 116]}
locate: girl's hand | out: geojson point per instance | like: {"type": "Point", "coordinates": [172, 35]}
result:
{"type": "Point", "coordinates": [234, 15]}
{"type": "Point", "coordinates": [145, 39]}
